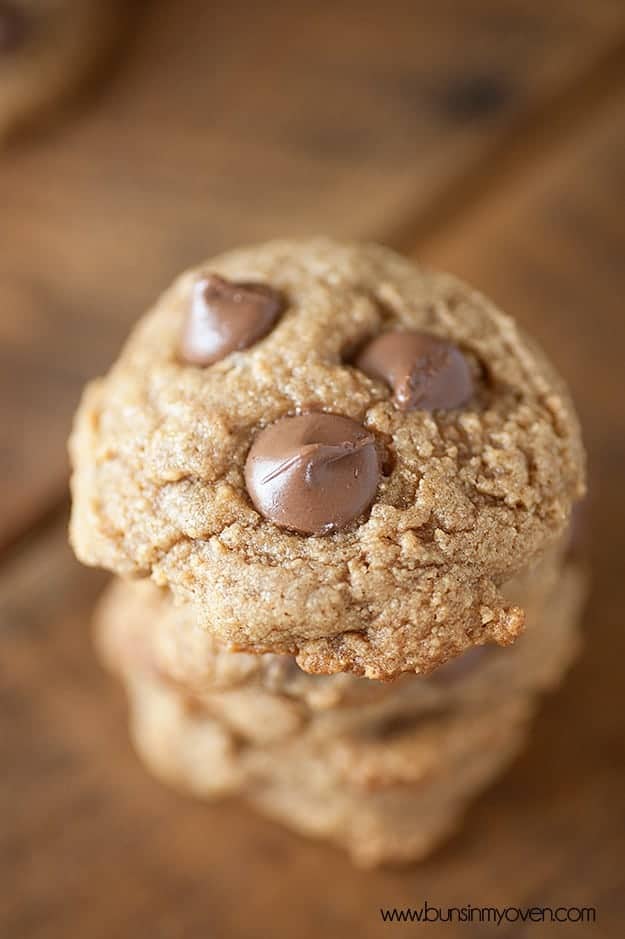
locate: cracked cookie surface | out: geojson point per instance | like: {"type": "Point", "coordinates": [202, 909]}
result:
{"type": "Point", "coordinates": [467, 497]}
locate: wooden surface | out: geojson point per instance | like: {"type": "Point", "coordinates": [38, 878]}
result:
{"type": "Point", "coordinates": [484, 137]}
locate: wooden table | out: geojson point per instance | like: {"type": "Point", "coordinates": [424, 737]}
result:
{"type": "Point", "coordinates": [480, 136]}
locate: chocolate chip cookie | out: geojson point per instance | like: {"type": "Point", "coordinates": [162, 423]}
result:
{"type": "Point", "coordinates": [388, 795]}
{"type": "Point", "coordinates": [331, 453]}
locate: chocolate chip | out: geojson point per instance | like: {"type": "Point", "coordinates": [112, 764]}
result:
{"type": "Point", "coordinates": [13, 27]}
{"type": "Point", "coordinates": [225, 316]}
{"type": "Point", "coordinates": [314, 473]}
{"type": "Point", "coordinates": [424, 372]}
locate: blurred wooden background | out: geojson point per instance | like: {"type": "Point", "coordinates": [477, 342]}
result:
{"type": "Point", "coordinates": [479, 136]}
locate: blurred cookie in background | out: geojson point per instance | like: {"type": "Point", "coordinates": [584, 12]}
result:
{"type": "Point", "coordinates": [49, 51]}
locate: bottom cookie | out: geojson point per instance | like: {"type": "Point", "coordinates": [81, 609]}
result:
{"type": "Point", "coordinates": [384, 794]}
{"type": "Point", "coordinates": [385, 773]}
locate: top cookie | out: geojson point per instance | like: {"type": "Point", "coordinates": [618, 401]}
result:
{"type": "Point", "coordinates": [330, 453]}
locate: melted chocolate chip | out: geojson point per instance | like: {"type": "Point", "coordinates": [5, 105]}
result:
{"type": "Point", "coordinates": [13, 27]}
{"type": "Point", "coordinates": [225, 317]}
{"type": "Point", "coordinates": [424, 372]}
{"type": "Point", "coordinates": [314, 473]}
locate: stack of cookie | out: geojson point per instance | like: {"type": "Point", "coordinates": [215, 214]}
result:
{"type": "Point", "coordinates": [337, 492]}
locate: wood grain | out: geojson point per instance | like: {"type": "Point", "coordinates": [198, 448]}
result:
{"type": "Point", "coordinates": [232, 121]}
{"type": "Point", "coordinates": [91, 846]}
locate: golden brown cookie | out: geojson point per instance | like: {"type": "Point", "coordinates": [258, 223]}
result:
{"type": "Point", "coordinates": [382, 769]}
{"type": "Point", "coordinates": [388, 796]}
{"type": "Point", "coordinates": [200, 477]}
{"type": "Point", "coordinates": [395, 799]}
